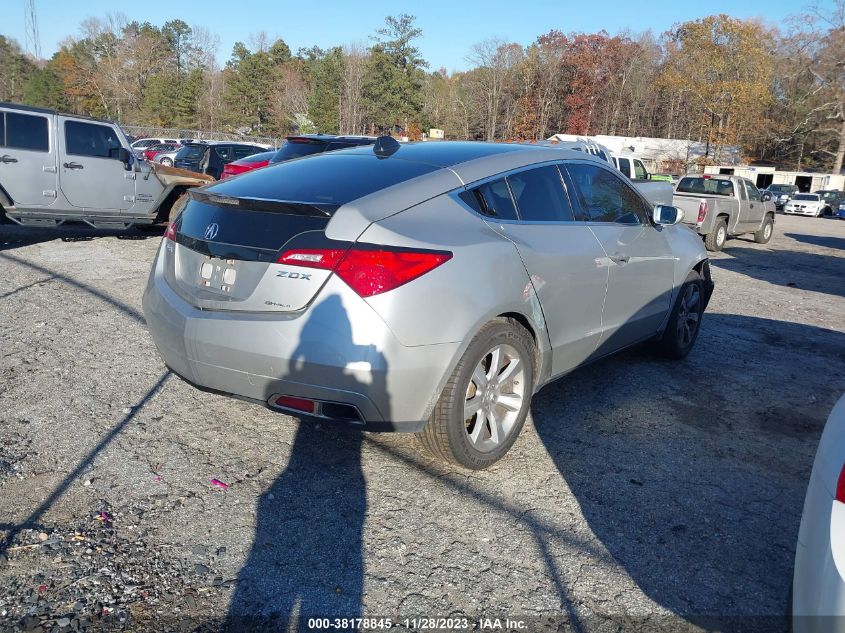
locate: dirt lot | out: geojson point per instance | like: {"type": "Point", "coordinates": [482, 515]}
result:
{"type": "Point", "coordinates": [643, 494]}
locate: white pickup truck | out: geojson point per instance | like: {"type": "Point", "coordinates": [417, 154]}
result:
{"type": "Point", "coordinates": [657, 191]}
{"type": "Point", "coordinates": [719, 206]}
{"type": "Point", "coordinates": [56, 167]}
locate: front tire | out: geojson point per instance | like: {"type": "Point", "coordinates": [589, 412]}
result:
{"type": "Point", "coordinates": [684, 323]}
{"type": "Point", "coordinates": [715, 240]}
{"type": "Point", "coordinates": [765, 233]}
{"type": "Point", "coordinates": [484, 405]}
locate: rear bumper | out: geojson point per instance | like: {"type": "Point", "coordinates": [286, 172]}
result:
{"type": "Point", "coordinates": [338, 350]}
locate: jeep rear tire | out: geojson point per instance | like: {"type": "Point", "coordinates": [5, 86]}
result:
{"type": "Point", "coordinates": [485, 402]}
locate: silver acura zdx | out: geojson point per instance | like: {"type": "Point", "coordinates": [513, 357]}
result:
{"type": "Point", "coordinates": [430, 288]}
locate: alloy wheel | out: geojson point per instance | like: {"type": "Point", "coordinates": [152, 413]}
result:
{"type": "Point", "coordinates": [494, 398]}
{"type": "Point", "coordinates": [689, 315]}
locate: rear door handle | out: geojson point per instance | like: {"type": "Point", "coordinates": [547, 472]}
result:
{"type": "Point", "coordinates": [620, 259]}
{"type": "Point", "coordinates": [5, 158]}
{"type": "Point", "coordinates": [72, 166]}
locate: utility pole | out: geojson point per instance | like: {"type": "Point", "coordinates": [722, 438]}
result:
{"type": "Point", "coordinates": [33, 40]}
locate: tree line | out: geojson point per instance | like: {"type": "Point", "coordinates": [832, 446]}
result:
{"type": "Point", "coordinates": [777, 93]}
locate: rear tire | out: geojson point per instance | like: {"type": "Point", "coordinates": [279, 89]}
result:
{"type": "Point", "coordinates": [765, 233]}
{"type": "Point", "coordinates": [684, 323]}
{"type": "Point", "coordinates": [715, 240]}
{"type": "Point", "coordinates": [484, 405]}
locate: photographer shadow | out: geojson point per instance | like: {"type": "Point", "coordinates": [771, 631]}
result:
{"type": "Point", "coordinates": [307, 559]}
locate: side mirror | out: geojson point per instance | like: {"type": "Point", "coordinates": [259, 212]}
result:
{"type": "Point", "coordinates": [665, 215]}
{"type": "Point", "coordinates": [766, 196]}
{"type": "Point", "coordinates": [124, 156]}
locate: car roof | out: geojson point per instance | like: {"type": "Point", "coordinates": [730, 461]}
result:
{"type": "Point", "coordinates": [449, 153]}
{"type": "Point", "coordinates": [26, 108]}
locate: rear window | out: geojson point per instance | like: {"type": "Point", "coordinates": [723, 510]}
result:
{"type": "Point", "coordinates": [706, 186]}
{"type": "Point", "coordinates": [781, 188]}
{"type": "Point", "coordinates": [297, 148]}
{"type": "Point", "coordinates": [191, 152]}
{"type": "Point", "coordinates": [329, 179]}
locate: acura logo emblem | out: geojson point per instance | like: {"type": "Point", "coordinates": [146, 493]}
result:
{"type": "Point", "coordinates": [211, 231]}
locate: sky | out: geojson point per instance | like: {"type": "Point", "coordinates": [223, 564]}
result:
{"type": "Point", "coordinates": [450, 27]}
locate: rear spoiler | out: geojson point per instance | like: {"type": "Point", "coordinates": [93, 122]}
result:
{"type": "Point", "coordinates": [289, 207]}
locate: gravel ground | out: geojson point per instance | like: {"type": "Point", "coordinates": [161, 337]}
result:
{"type": "Point", "coordinates": [643, 494]}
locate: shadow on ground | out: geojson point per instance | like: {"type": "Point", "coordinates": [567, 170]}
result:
{"type": "Point", "coordinates": [16, 236]}
{"type": "Point", "coordinates": [702, 529]}
{"type": "Point", "coordinates": [794, 269]}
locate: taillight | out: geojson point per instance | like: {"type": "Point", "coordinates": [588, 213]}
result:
{"type": "Point", "coordinates": [369, 271]}
{"type": "Point", "coordinates": [840, 486]}
{"type": "Point", "coordinates": [326, 259]}
{"type": "Point", "coordinates": [702, 211]}
{"type": "Point", "coordinates": [170, 233]}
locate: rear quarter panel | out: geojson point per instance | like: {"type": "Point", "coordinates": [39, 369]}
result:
{"type": "Point", "coordinates": [484, 278]}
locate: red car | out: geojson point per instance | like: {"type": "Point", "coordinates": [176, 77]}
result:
{"type": "Point", "coordinates": [247, 164]}
{"type": "Point", "coordinates": [152, 150]}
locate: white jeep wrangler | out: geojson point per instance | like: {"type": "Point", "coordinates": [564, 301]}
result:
{"type": "Point", "coordinates": [56, 167]}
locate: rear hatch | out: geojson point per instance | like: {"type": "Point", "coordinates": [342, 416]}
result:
{"type": "Point", "coordinates": [227, 242]}
{"type": "Point", "coordinates": [189, 156]}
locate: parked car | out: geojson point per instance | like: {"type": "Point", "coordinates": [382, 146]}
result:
{"type": "Point", "coordinates": [782, 194]}
{"type": "Point", "coordinates": [717, 206]}
{"type": "Point", "coordinates": [167, 157]}
{"type": "Point", "coordinates": [154, 150]}
{"type": "Point", "coordinates": [210, 157]}
{"type": "Point", "coordinates": [305, 145]}
{"type": "Point", "coordinates": [428, 287]}
{"type": "Point", "coordinates": [840, 212]}
{"type": "Point", "coordinates": [56, 167]}
{"type": "Point", "coordinates": [832, 199]}
{"type": "Point", "coordinates": [141, 144]}
{"type": "Point", "coordinates": [247, 164]}
{"type": "Point", "coordinates": [806, 204]}
{"type": "Point", "coordinates": [818, 587]}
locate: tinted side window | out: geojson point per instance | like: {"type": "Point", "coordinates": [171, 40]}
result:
{"type": "Point", "coordinates": [90, 139]}
{"type": "Point", "coordinates": [225, 153]}
{"type": "Point", "coordinates": [24, 131]}
{"type": "Point", "coordinates": [606, 197]}
{"type": "Point", "coordinates": [243, 152]}
{"type": "Point", "coordinates": [625, 166]}
{"type": "Point", "coordinates": [540, 196]}
{"type": "Point", "coordinates": [2, 129]}
{"type": "Point", "coordinates": [495, 200]}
